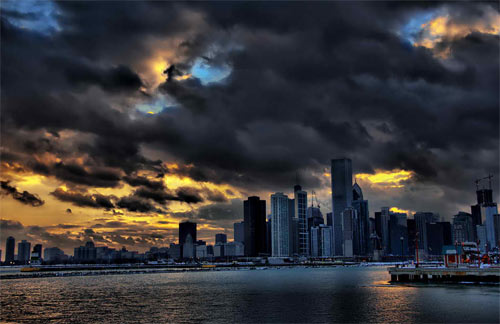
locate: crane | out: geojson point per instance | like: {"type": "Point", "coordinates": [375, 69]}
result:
{"type": "Point", "coordinates": [477, 181]}
{"type": "Point", "coordinates": [313, 197]}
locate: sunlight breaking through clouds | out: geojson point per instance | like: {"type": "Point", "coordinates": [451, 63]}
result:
{"type": "Point", "coordinates": [386, 179]}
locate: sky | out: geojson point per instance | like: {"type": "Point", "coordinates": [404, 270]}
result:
{"type": "Point", "coordinates": [121, 119]}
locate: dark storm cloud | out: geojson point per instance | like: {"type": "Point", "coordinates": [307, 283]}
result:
{"type": "Point", "coordinates": [308, 82]}
{"type": "Point", "coordinates": [136, 204]}
{"type": "Point", "coordinates": [24, 197]}
{"type": "Point", "coordinates": [84, 200]}
{"type": "Point", "coordinates": [114, 79]}
{"type": "Point", "coordinates": [143, 181]}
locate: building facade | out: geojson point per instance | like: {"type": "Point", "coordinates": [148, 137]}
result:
{"type": "Point", "coordinates": [281, 225]}
{"type": "Point", "coordinates": [10, 247]}
{"type": "Point", "coordinates": [300, 200]}
{"type": "Point", "coordinates": [254, 213]}
{"type": "Point", "coordinates": [341, 176]}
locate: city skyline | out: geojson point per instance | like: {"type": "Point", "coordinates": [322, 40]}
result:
{"type": "Point", "coordinates": [286, 211]}
{"type": "Point", "coordinates": [198, 106]}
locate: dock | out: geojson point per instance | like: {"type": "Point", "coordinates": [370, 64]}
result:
{"type": "Point", "coordinates": [444, 274]}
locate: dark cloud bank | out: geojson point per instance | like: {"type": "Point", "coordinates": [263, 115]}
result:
{"type": "Point", "coordinates": [308, 82]}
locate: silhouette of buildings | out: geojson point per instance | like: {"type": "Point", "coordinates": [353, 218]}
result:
{"type": "Point", "coordinates": [254, 213]}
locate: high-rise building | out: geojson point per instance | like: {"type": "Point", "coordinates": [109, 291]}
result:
{"type": "Point", "coordinates": [300, 199]}
{"type": "Point", "coordinates": [349, 217]}
{"type": "Point", "coordinates": [385, 237]}
{"type": "Point", "coordinates": [294, 228]}
{"type": "Point", "coordinates": [38, 249]}
{"type": "Point", "coordinates": [315, 235]}
{"type": "Point", "coordinates": [463, 228]}
{"type": "Point", "coordinates": [490, 210]}
{"type": "Point", "coordinates": [421, 220]}
{"type": "Point", "coordinates": [54, 255]}
{"type": "Point", "coordinates": [188, 247]}
{"type": "Point", "coordinates": [239, 232]}
{"type": "Point", "coordinates": [341, 176]}
{"type": "Point", "coordinates": [438, 235]}
{"type": "Point", "coordinates": [23, 252]}
{"type": "Point", "coordinates": [220, 238]}
{"type": "Point", "coordinates": [254, 211]}
{"type": "Point", "coordinates": [412, 233]}
{"type": "Point", "coordinates": [10, 247]}
{"type": "Point", "coordinates": [314, 219]}
{"type": "Point", "coordinates": [36, 254]}
{"type": "Point", "coordinates": [326, 240]}
{"type": "Point", "coordinates": [484, 197]}
{"type": "Point", "coordinates": [86, 253]}
{"type": "Point", "coordinates": [269, 236]}
{"type": "Point", "coordinates": [321, 241]}
{"type": "Point", "coordinates": [187, 228]}
{"type": "Point", "coordinates": [329, 222]}
{"type": "Point", "coordinates": [281, 225]}
{"type": "Point", "coordinates": [481, 238]}
{"type": "Point", "coordinates": [362, 231]}
{"type": "Point", "coordinates": [398, 233]}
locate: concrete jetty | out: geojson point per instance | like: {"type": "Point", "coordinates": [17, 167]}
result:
{"type": "Point", "coordinates": [444, 274]}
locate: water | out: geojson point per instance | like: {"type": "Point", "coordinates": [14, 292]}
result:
{"type": "Point", "coordinates": [354, 294]}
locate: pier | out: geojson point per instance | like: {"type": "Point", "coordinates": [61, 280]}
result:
{"type": "Point", "coordinates": [444, 274]}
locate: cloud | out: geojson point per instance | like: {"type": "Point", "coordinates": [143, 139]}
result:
{"type": "Point", "coordinates": [136, 204]}
{"type": "Point", "coordinates": [24, 197]}
{"type": "Point", "coordinates": [84, 200]}
{"type": "Point", "coordinates": [10, 225]}
{"type": "Point", "coordinates": [306, 84]}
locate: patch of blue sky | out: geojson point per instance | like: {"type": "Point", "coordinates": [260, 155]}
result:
{"type": "Point", "coordinates": [156, 104]}
{"type": "Point", "coordinates": [38, 16]}
{"type": "Point", "coordinates": [410, 31]}
{"type": "Point", "coordinates": [207, 73]}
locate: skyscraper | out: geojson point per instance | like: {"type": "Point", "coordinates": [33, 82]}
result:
{"type": "Point", "coordinates": [490, 210]}
{"type": "Point", "coordinates": [482, 238]}
{"type": "Point", "coordinates": [421, 220]}
{"type": "Point", "coordinates": [326, 240]}
{"type": "Point", "coordinates": [384, 229]}
{"type": "Point", "coordinates": [349, 216]}
{"type": "Point", "coordinates": [438, 235]}
{"type": "Point", "coordinates": [315, 241]}
{"type": "Point", "coordinates": [294, 228]}
{"type": "Point", "coordinates": [254, 211]}
{"type": "Point", "coordinates": [220, 238]}
{"type": "Point", "coordinates": [38, 249]}
{"type": "Point", "coordinates": [341, 175]}
{"type": "Point", "coordinates": [23, 251]}
{"type": "Point", "coordinates": [362, 232]}
{"type": "Point", "coordinates": [484, 197]}
{"type": "Point", "coordinates": [187, 228]}
{"type": "Point", "coordinates": [281, 225]}
{"type": "Point", "coordinates": [463, 228]}
{"type": "Point", "coordinates": [412, 232]}
{"type": "Point", "coordinates": [10, 247]}
{"type": "Point", "coordinates": [398, 232]}
{"type": "Point", "coordinates": [188, 248]}
{"type": "Point", "coordinates": [239, 232]}
{"type": "Point", "coordinates": [36, 254]}
{"type": "Point", "coordinates": [300, 199]}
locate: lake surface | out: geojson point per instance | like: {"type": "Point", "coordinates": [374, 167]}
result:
{"type": "Point", "coordinates": [350, 294]}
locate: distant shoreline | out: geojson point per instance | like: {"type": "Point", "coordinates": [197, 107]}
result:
{"type": "Point", "coordinates": [48, 272]}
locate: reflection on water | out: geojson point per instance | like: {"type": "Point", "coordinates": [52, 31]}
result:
{"type": "Point", "coordinates": [274, 295]}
